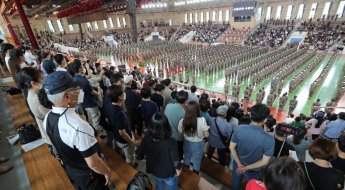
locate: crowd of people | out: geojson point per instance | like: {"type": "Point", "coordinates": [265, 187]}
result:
{"type": "Point", "coordinates": [322, 34]}
{"type": "Point", "coordinates": [73, 102]}
{"type": "Point", "coordinates": [264, 35]}
{"type": "Point", "coordinates": [204, 32]}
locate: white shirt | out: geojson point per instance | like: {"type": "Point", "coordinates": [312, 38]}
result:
{"type": "Point", "coordinates": [29, 58]}
{"type": "Point", "coordinates": [74, 131]}
{"type": "Point", "coordinates": [289, 120]}
{"type": "Point", "coordinates": [61, 69]}
{"type": "Point", "coordinates": [39, 112]}
{"type": "Point", "coordinates": [201, 127]}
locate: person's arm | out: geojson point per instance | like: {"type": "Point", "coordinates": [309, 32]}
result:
{"type": "Point", "coordinates": [96, 164]}
{"type": "Point", "coordinates": [140, 151]}
{"type": "Point", "coordinates": [175, 157]}
{"type": "Point", "coordinates": [259, 164]}
{"type": "Point", "coordinates": [89, 75]}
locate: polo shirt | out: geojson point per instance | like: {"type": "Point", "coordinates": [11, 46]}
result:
{"type": "Point", "coordinates": [148, 108]}
{"type": "Point", "coordinates": [89, 100]}
{"type": "Point", "coordinates": [174, 113]}
{"type": "Point", "coordinates": [252, 143]}
{"type": "Point", "coordinates": [73, 137]}
{"type": "Point", "coordinates": [118, 121]}
{"type": "Point", "coordinates": [334, 128]}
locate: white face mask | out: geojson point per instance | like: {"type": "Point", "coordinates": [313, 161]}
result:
{"type": "Point", "coordinates": [84, 70]}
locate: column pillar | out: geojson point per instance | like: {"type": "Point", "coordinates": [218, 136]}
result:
{"type": "Point", "coordinates": [10, 28]}
{"type": "Point", "coordinates": [133, 20]}
{"type": "Point", "coordinates": [81, 31]}
{"type": "Point", "coordinates": [26, 24]}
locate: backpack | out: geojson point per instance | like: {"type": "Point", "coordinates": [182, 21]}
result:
{"type": "Point", "coordinates": [140, 182]}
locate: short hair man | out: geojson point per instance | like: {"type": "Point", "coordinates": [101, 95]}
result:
{"type": "Point", "coordinates": [335, 128]}
{"type": "Point", "coordinates": [192, 96]}
{"type": "Point", "coordinates": [251, 147]}
{"type": "Point", "coordinates": [73, 138]}
{"type": "Point", "coordinates": [174, 113]}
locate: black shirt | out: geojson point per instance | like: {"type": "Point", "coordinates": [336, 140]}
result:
{"type": "Point", "coordinates": [323, 178]}
{"type": "Point", "coordinates": [339, 164]}
{"type": "Point", "coordinates": [277, 146]}
{"type": "Point", "coordinates": [148, 108]}
{"type": "Point", "coordinates": [162, 157]}
{"type": "Point", "coordinates": [118, 120]}
{"type": "Point", "coordinates": [132, 101]}
{"type": "Point", "coordinates": [159, 99]}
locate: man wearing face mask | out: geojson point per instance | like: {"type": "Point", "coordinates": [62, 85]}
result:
{"type": "Point", "coordinates": [73, 138]}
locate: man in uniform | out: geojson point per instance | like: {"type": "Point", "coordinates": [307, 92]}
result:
{"type": "Point", "coordinates": [270, 99]}
{"type": "Point", "coordinates": [315, 107]}
{"type": "Point", "coordinates": [226, 87]}
{"type": "Point", "coordinates": [292, 104]}
{"type": "Point", "coordinates": [73, 138]}
{"type": "Point", "coordinates": [282, 102]}
{"type": "Point", "coordinates": [330, 104]}
{"type": "Point", "coordinates": [259, 97]}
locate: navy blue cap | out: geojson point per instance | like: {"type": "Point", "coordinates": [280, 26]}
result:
{"type": "Point", "coordinates": [57, 82]}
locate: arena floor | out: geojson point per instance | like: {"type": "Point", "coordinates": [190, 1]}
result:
{"type": "Point", "coordinates": [325, 92]}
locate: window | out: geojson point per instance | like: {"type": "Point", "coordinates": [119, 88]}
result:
{"type": "Point", "coordinates": [111, 22]}
{"type": "Point", "coordinates": [118, 22]}
{"type": "Point", "coordinates": [279, 12]}
{"type": "Point", "coordinates": [214, 16]}
{"type": "Point", "coordinates": [60, 25]}
{"type": "Point", "coordinates": [312, 11]}
{"type": "Point", "coordinates": [340, 10]}
{"type": "Point", "coordinates": [88, 24]}
{"type": "Point", "coordinates": [300, 11]}
{"type": "Point", "coordinates": [207, 16]}
{"type": "Point", "coordinates": [185, 18]}
{"type": "Point", "coordinates": [105, 24]}
{"type": "Point", "coordinates": [124, 22]}
{"type": "Point", "coordinates": [190, 17]}
{"type": "Point", "coordinates": [268, 14]}
{"type": "Point", "coordinates": [51, 26]}
{"type": "Point", "coordinates": [70, 26]}
{"type": "Point", "coordinates": [220, 16]}
{"type": "Point", "coordinates": [201, 17]}
{"type": "Point", "coordinates": [170, 22]}
{"type": "Point", "coordinates": [326, 9]}
{"type": "Point", "coordinates": [196, 17]}
{"type": "Point", "coordinates": [96, 25]}
{"type": "Point", "coordinates": [227, 15]}
{"type": "Point", "coordinates": [289, 12]}
{"type": "Point", "coordinates": [259, 14]}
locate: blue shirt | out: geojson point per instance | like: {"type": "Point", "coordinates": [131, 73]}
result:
{"type": "Point", "coordinates": [224, 128]}
{"type": "Point", "coordinates": [174, 113]}
{"type": "Point", "coordinates": [192, 97]}
{"type": "Point", "coordinates": [252, 143]}
{"type": "Point", "coordinates": [89, 100]}
{"type": "Point", "coordinates": [334, 128]}
{"type": "Point", "coordinates": [207, 117]}
{"type": "Point", "coordinates": [148, 108]}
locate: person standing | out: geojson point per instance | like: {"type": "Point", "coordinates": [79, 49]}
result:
{"type": "Point", "coordinates": [119, 123]}
{"type": "Point", "coordinates": [194, 129]}
{"type": "Point", "coordinates": [90, 98]}
{"type": "Point", "coordinates": [161, 152]}
{"type": "Point", "coordinates": [315, 107]}
{"type": "Point", "coordinates": [174, 113]}
{"type": "Point", "coordinates": [293, 104]}
{"type": "Point", "coordinates": [251, 147]}
{"type": "Point", "coordinates": [73, 138]}
{"type": "Point", "coordinates": [220, 126]}
{"type": "Point", "coordinates": [29, 58]}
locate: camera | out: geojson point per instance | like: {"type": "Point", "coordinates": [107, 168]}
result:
{"type": "Point", "coordinates": [286, 129]}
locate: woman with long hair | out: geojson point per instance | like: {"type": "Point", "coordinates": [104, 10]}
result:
{"type": "Point", "coordinates": [301, 143]}
{"type": "Point", "coordinates": [161, 152]}
{"type": "Point", "coordinates": [194, 129]}
{"type": "Point", "coordinates": [31, 79]}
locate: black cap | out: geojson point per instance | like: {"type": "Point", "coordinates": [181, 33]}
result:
{"type": "Point", "coordinates": [57, 82]}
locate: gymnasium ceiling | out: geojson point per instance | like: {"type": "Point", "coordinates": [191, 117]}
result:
{"type": "Point", "coordinates": [68, 8]}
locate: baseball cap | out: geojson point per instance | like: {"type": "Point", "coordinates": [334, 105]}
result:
{"type": "Point", "coordinates": [57, 82]}
{"type": "Point", "coordinates": [221, 110]}
{"type": "Point", "coordinates": [127, 78]}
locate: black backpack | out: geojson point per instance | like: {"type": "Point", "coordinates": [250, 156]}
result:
{"type": "Point", "coordinates": [140, 182]}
